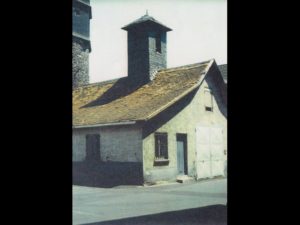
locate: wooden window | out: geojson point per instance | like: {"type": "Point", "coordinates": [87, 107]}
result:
{"type": "Point", "coordinates": [161, 146]}
{"type": "Point", "coordinates": [208, 100]}
{"type": "Point", "coordinates": [158, 42]}
{"type": "Point", "coordinates": [93, 147]}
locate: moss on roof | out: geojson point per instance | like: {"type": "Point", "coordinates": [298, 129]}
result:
{"type": "Point", "coordinates": [118, 101]}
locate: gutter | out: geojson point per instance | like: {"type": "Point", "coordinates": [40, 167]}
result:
{"type": "Point", "coordinates": [104, 124]}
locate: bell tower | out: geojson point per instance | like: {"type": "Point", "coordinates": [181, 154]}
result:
{"type": "Point", "coordinates": [147, 48]}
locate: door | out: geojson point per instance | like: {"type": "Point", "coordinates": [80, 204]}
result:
{"type": "Point", "coordinates": [93, 147]}
{"type": "Point", "coordinates": [209, 150]}
{"type": "Point", "coordinates": [181, 153]}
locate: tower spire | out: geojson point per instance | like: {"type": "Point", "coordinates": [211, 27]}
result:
{"type": "Point", "coordinates": [147, 12]}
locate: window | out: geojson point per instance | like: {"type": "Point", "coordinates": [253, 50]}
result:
{"type": "Point", "coordinates": [208, 100]}
{"type": "Point", "coordinates": [158, 42]}
{"type": "Point", "coordinates": [92, 147]}
{"type": "Point", "coordinates": [161, 146]}
{"type": "Point", "coordinates": [207, 108]}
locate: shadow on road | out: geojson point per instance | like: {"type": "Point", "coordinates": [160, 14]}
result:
{"type": "Point", "coordinates": [209, 215]}
{"type": "Point", "coordinates": [106, 174]}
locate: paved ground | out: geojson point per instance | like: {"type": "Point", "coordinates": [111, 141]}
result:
{"type": "Point", "coordinates": [192, 203]}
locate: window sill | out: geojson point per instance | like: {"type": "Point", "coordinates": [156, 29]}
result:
{"type": "Point", "coordinates": [161, 162]}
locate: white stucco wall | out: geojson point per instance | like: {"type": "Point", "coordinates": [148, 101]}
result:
{"type": "Point", "coordinates": [119, 143]}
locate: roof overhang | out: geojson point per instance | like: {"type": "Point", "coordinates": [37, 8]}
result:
{"type": "Point", "coordinates": [105, 124]}
{"type": "Point", "coordinates": [143, 22]}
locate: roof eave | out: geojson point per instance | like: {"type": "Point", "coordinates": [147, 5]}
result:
{"type": "Point", "coordinates": [105, 124]}
{"type": "Point", "coordinates": [132, 26]}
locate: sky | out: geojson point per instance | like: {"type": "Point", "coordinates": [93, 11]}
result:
{"type": "Point", "coordinates": [199, 32]}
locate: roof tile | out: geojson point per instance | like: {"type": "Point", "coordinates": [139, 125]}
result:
{"type": "Point", "coordinates": [118, 101]}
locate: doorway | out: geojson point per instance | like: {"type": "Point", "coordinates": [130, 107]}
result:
{"type": "Point", "coordinates": [93, 147]}
{"type": "Point", "coordinates": [210, 151]}
{"type": "Point", "coordinates": [181, 140]}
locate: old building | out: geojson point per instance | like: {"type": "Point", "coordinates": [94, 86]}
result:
{"type": "Point", "coordinates": [156, 123]}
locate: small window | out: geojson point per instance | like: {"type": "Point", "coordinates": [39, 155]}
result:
{"type": "Point", "coordinates": [161, 146]}
{"type": "Point", "coordinates": [208, 100]}
{"type": "Point", "coordinates": [208, 109]}
{"type": "Point", "coordinates": [158, 42]}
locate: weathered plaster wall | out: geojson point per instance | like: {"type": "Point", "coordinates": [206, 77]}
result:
{"type": "Point", "coordinates": [119, 144]}
{"type": "Point", "coordinates": [184, 122]}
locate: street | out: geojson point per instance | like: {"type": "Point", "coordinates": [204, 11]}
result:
{"type": "Point", "coordinates": [202, 202]}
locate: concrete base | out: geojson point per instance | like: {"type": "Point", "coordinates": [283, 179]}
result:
{"type": "Point", "coordinates": [184, 178]}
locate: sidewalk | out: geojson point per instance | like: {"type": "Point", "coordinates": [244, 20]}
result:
{"type": "Point", "coordinates": [97, 205]}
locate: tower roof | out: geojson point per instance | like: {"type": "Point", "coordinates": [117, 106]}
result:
{"type": "Point", "coordinates": [146, 19]}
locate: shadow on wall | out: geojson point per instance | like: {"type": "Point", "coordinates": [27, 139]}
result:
{"type": "Point", "coordinates": [153, 124]}
{"type": "Point", "coordinates": [209, 215]}
{"type": "Point", "coordinates": [107, 174]}
{"type": "Point", "coordinates": [219, 85]}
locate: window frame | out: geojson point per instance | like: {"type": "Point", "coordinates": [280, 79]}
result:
{"type": "Point", "coordinates": [161, 154]}
{"type": "Point", "coordinates": [158, 39]}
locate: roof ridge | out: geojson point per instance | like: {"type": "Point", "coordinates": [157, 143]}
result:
{"type": "Point", "coordinates": [188, 66]}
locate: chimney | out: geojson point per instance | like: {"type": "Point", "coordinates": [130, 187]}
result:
{"type": "Point", "coordinates": [147, 48]}
{"type": "Point", "coordinates": [81, 46]}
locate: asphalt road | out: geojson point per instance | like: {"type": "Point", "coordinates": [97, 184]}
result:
{"type": "Point", "coordinates": [192, 203]}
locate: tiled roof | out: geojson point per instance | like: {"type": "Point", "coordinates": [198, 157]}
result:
{"type": "Point", "coordinates": [116, 101]}
{"type": "Point", "coordinates": [223, 69]}
{"type": "Point", "coordinates": [143, 19]}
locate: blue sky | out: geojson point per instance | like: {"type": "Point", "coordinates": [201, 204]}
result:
{"type": "Point", "coordinates": [199, 32]}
